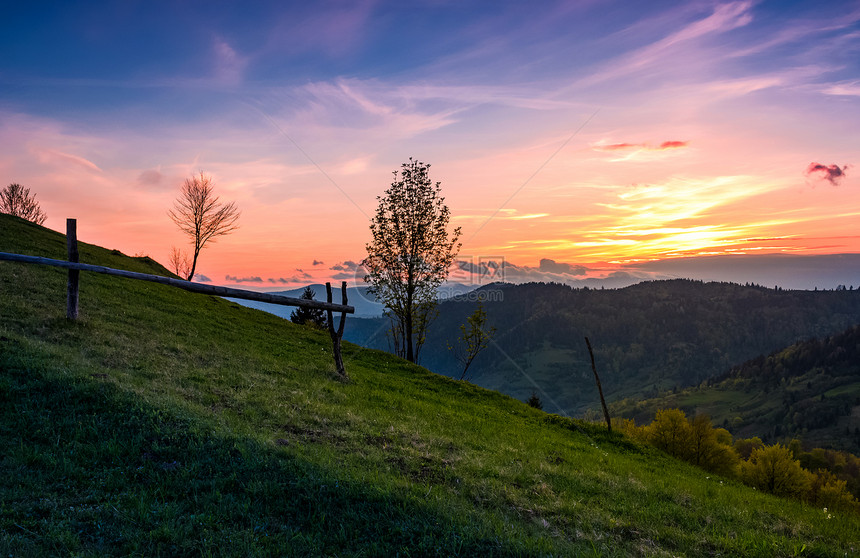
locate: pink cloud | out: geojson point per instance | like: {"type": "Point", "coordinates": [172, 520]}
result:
{"type": "Point", "coordinates": [831, 173]}
{"type": "Point", "coordinates": [670, 144]}
{"type": "Point", "coordinates": [674, 144]}
{"type": "Point", "coordinates": [617, 146]}
{"type": "Point", "coordinates": [54, 156]}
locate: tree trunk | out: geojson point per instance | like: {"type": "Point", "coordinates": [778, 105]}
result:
{"type": "Point", "coordinates": [410, 312]}
{"type": "Point", "coordinates": [410, 356]}
{"type": "Point", "coordinates": [193, 265]}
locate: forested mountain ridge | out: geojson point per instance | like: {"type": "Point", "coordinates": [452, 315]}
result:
{"type": "Point", "coordinates": [647, 338]}
{"type": "Point", "coordinates": [809, 391]}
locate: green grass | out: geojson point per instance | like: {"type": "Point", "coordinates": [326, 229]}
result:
{"type": "Point", "coordinates": [168, 423]}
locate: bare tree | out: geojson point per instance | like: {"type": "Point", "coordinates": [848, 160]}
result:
{"type": "Point", "coordinates": [179, 262]}
{"type": "Point", "coordinates": [410, 253]}
{"type": "Point", "coordinates": [199, 215]}
{"type": "Point", "coordinates": [16, 200]}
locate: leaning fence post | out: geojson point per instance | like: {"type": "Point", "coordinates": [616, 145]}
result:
{"type": "Point", "coordinates": [599, 387]}
{"type": "Point", "coordinates": [336, 336]}
{"type": "Point", "coordinates": [74, 274]}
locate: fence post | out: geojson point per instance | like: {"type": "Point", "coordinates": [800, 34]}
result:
{"type": "Point", "coordinates": [74, 274]}
{"type": "Point", "coordinates": [336, 336]}
{"type": "Point", "coordinates": [599, 387]}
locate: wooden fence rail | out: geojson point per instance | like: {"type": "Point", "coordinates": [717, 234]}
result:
{"type": "Point", "coordinates": [75, 267]}
{"type": "Point", "coordinates": [181, 284]}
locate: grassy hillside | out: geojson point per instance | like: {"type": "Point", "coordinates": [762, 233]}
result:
{"type": "Point", "coordinates": [647, 338]}
{"type": "Point", "coordinates": [168, 423]}
{"type": "Point", "coordinates": [809, 391]}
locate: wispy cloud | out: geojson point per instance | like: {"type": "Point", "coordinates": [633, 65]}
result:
{"type": "Point", "coordinates": [524, 96]}
{"type": "Point", "coordinates": [348, 265]}
{"type": "Point", "coordinates": [234, 279]}
{"type": "Point", "coordinates": [351, 105]}
{"type": "Point", "coordinates": [229, 66]}
{"type": "Point", "coordinates": [150, 177]}
{"type": "Point", "coordinates": [670, 144]}
{"type": "Point", "coordinates": [707, 107]}
{"type": "Point", "coordinates": [725, 17]}
{"type": "Point", "coordinates": [299, 278]}
{"type": "Point", "coordinates": [58, 157]}
{"type": "Point", "coordinates": [552, 266]}
{"type": "Point", "coordinates": [677, 216]}
{"type": "Point", "coordinates": [846, 88]}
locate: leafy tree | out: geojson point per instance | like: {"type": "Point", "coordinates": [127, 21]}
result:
{"type": "Point", "coordinates": [628, 428]}
{"type": "Point", "coordinates": [828, 491]}
{"type": "Point", "coordinates": [200, 216]}
{"type": "Point", "coordinates": [474, 338]}
{"type": "Point", "coordinates": [723, 436]}
{"type": "Point", "coordinates": [410, 254]}
{"type": "Point", "coordinates": [17, 200]}
{"type": "Point", "coordinates": [796, 449]}
{"type": "Point", "coordinates": [693, 440]}
{"type": "Point", "coordinates": [313, 317]}
{"type": "Point", "coordinates": [671, 432]}
{"type": "Point", "coordinates": [773, 469]}
{"type": "Point", "coordinates": [781, 470]}
{"type": "Point", "coordinates": [710, 448]}
{"type": "Point", "coordinates": [745, 447]}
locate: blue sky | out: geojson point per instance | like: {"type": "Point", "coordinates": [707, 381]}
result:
{"type": "Point", "coordinates": [594, 134]}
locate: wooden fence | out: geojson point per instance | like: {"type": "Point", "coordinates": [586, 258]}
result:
{"type": "Point", "coordinates": [73, 285]}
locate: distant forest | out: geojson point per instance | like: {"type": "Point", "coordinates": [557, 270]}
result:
{"type": "Point", "coordinates": [809, 391]}
{"type": "Point", "coordinates": [648, 338]}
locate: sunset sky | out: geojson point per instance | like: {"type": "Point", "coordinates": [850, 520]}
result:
{"type": "Point", "coordinates": [573, 140]}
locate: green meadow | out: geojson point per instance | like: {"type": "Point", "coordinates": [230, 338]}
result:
{"type": "Point", "coordinates": [165, 423]}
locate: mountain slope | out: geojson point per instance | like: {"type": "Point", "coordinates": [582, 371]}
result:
{"type": "Point", "coordinates": [647, 338]}
{"type": "Point", "coordinates": [365, 304]}
{"type": "Point", "coordinates": [810, 391]}
{"type": "Point", "coordinates": [168, 423]}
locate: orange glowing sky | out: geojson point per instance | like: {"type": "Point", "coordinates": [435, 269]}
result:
{"type": "Point", "coordinates": [595, 136]}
